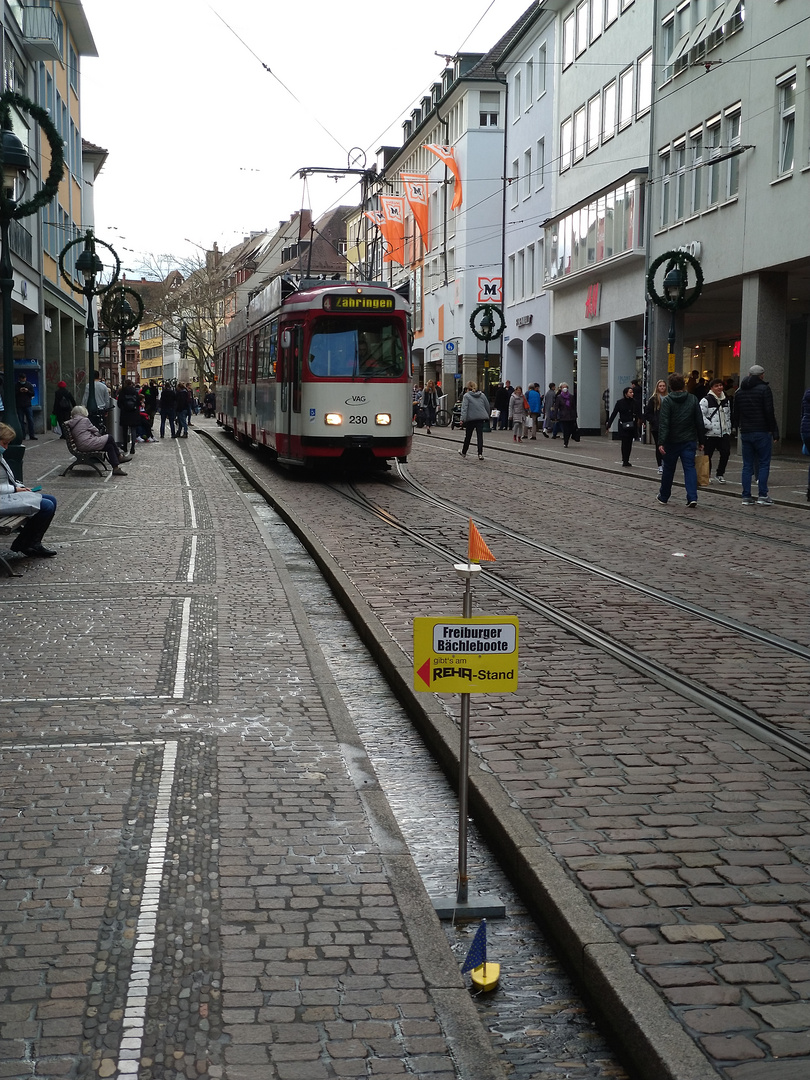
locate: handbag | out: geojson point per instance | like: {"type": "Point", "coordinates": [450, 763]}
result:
{"type": "Point", "coordinates": [627, 426]}
{"type": "Point", "coordinates": [20, 502]}
{"type": "Point", "coordinates": [495, 414]}
{"type": "Point", "coordinates": [702, 466]}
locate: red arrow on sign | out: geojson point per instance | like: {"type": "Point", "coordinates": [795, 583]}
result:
{"type": "Point", "coordinates": [424, 673]}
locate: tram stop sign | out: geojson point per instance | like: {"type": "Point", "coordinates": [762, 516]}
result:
{"type": "Point", "coordinates": [465, 656]}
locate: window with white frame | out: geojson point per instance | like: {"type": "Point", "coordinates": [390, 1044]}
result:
{"type": "Point", "coordinates": [696, 159]}
{"type": "Point", "coordinates": [582, 26]}
{"type": "Point", "coordinates": [714, 148]}
{"type": "Point", "coordinates": [626, 4]}
{"type": "Point", "coordinates": [594, 122]}
{"type": "Point", "coordinates": [566, 137]}
{"type": "Point", "coordinates": [540, 164]}
{"type": "Point", "coordinates": [530, 283]}
{"type": "Point", "coordinates": [667, 45]}
{"type": "Point", "coordinates": [626, 98]}
{"type": "Point", "coordinates": [527, 174]}
{"type": "Point", "coordinates": [514, 187]}
{"type": "Point", "coordinates": [541, 70]}
{"type": "Point", "coordinates": [516, 97]}
{"type": "Point", "coordinates": [569, 40]}
{"type": "Point", "coordinates": [644, 83]}
{"type": "Point", "coordinates": [520, 275]}
{"type": "Point", "coordinates": [786, 95]}
{"type": "Point", "coordinates": [510, 279]}
{"type": "Point", "coordinates": [664, 167]}
{"type": "Point", "coordinates": [579, 134]}
{"type": "Point", "coordinates": [489, 107]}
{"type": "Point", "coordinates": [609, 111]}
{"type": "Point", "coordinates": [611, 11]}
{"type": "Point", "coordinates": [679, 168]}
{"type": "Point", "coordinates": [733, 120]}
{"type": "Point", "coordinates": [597, 10]}
{"type": "Point", "coordinates": [529, 83]}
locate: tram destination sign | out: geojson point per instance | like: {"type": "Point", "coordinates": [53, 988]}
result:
{"type": "Point", "coordinates": [358, 303]}
{"type": "Point", "coordinates": [465, 656]}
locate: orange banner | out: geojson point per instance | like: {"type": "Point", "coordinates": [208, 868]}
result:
{"type": "Point", "coordinates": [416, 192]}
{"type": "Point", "coordinates": [447, 155]}
{"type": "Point", "coordinates": [393, 230]}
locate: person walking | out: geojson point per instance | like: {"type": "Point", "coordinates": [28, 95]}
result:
{"type": "Point", "coordinates": [804, 431]}
{"type": "Point", "coordinates": [517, 413]}
{"type": "Point", "coordinates": [103, 402]}
{"type": "Point", "coordinates": [625, 409]}
{"type": "Point", "coordinates": [24, 399]}
{"type": "Point", "coordinates": [680, 435]}
{"type": "Point", "coordinates": [89, 438]}
{"type": "Point", "coordinates": [168, 409]}
{"type": "Point", "coordinates": [755, 420]}
{"type": "Point", "coordinates": [549, 416]}
{"type": "Point", "coordinates": [182, 410]}
{"type": "Point", "coordinates": [63, 402]}
{"type": "Point", "coordinates": [128, 414]}
{"type": "Point", "coordinates": [474, 414]}
{"type": "Point", "coordinates": [565, 406]}
{"type": "Point", "coordinates": [535, 403]}
{"type": "Point", "coordinates": [716, 409]}
{"type": "Point", "coordinates": [502, 396]}
{"type": "Point", "coordinates": [652, 413]}
{"type": "Point", "coordinates": [430, 403]}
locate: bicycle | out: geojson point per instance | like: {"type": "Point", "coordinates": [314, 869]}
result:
{"type": "Point", "coordinates": [442, 418]}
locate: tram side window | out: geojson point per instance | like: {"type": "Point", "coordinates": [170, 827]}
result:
{"type": "Point", "coordinates": [266, 345]}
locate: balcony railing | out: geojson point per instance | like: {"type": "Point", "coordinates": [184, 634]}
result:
{"type": "Point", "coordinates": [41, 33]}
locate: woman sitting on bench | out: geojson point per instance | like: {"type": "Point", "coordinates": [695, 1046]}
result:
{"type": "Point", "coordinates": [29, 538]}
{"type": "Point", "coordinates": [90, 440]}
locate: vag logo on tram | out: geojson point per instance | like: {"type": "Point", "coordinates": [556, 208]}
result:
{"type": "Point", "coordinates": [357, 399]}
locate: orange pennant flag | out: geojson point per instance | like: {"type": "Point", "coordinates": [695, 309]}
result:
{"type": "Point", "coordinates": [416, 192]}
{"type": "Point", "coordinates": [447, 155]}
{"type": "Point", "coordinates": [477, 550]}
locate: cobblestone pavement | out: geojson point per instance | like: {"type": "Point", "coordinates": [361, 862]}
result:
{"type": "Point", "coordinates": [200, 874]}
{"type": "Point", "coordinates": [670, 849]}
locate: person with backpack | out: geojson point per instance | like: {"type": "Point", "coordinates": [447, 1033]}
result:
{"type": "Point", "coordinates": [129, 414]}
{"type": "Point", "coordinates": [716, 409]}
{"type": "Point", "coordinates": [63, 402]}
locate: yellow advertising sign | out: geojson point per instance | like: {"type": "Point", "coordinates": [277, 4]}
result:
{"type": "Point", "coordinates": [465, 656]}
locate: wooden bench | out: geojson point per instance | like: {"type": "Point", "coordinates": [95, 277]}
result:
{"type": "Point", "coordinates": [8, 525]}
{"type": "Point", "coordinates": [83, 457]}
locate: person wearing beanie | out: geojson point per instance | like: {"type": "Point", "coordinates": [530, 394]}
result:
{"type": "Point", "coordinates": [63, 402]}
{"type": "Point", "coordinates": [755, 420]}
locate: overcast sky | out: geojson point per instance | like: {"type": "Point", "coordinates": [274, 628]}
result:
{"type": "Point", "coordinates": [203, 141]}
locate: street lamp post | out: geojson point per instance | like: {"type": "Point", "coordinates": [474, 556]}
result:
{"type": "Point", "coordinates": [89, 269]}
{"type": "Point", "coordinates": [676, 289]}
{"type": "Point", "coordinates": [118, 315]}
{"type": "Point", "coordinates": [15, 165]}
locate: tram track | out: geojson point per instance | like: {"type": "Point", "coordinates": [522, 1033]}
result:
{"type": "Point", "coordinates": [713, 701]}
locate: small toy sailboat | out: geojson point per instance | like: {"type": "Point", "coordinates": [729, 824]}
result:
{"type": "Point", "coordinates": [484, 974]}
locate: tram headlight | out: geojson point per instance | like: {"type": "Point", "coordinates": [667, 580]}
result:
{"type": "Point", "coordinates": [333, 419]}
{"type": "Point", "coordinates": [383, 419]}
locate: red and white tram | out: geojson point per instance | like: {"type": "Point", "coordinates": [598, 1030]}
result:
{"type": "Point", "coordinates": [318, 370]}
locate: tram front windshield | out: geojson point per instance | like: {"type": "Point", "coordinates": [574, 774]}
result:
{"type": "Point", "coordinates": [356, 349]}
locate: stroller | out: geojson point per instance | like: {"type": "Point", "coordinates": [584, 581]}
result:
{"type": "Point", "coordinates": [455, 419]}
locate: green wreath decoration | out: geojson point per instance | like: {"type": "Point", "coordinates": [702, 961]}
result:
{"type": "Point", "coordinates": [496, 333]}
{"type": "Point", "coordinates": [112, 310]}
{"type": "Point", "coordinates": [51, 185]}
{"type": "Point", "coordinates": [682, 260]}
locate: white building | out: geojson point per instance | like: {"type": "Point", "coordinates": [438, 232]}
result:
{"type": "Point", "coordinates": [528, 65]}
{"type": "Point", "coordinates": [595, 238]}
{"type": "Point", "coordinates": [730, 181]}
{"type": "Point", "coordinates": [461, 265]}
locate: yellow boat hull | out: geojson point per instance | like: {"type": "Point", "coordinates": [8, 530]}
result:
{"type": "Point", "coordinates": [485, 976]}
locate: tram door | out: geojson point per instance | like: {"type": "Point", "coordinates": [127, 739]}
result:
{"type": "Point", "coordinates": [289, 400]}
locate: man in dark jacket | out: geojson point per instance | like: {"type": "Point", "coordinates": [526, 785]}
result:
{"type": "Point", "coordinates": [502, 396]}
{"type": "Point", "coordinates": [168, 409]}
{"type": "Point", "coordinates": [680, 434]}
{"type": "Point", "coordinates": [755, 420]}
{"type": "Point", "coordinates": [25, 392]}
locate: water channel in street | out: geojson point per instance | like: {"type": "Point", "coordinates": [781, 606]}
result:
{"type": "Point", "coordinates": [536, 1018]}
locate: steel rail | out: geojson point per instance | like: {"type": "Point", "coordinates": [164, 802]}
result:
{"type": "Point", "coordinates": [725, 708]}
{"type": "Point", "coordinates": [764, 637]}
